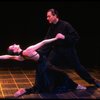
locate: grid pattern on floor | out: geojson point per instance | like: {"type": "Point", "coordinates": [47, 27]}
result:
{"type": "Point", "coordinates": [11, 79]}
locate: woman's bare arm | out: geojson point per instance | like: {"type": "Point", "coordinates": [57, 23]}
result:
{"type": "Point", "coordinates": [18, 58]}
{"type": "Point", "coordinates": [42, 43]}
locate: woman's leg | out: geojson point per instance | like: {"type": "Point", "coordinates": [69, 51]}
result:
{"type": "Point", "coordinates": [40, 80]}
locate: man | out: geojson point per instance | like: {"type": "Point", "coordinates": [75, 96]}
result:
{"type": "Point", "coordinates": [62, 52]}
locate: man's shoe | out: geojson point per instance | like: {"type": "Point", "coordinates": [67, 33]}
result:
{"type": "Point", "coordinates": [80, 87]}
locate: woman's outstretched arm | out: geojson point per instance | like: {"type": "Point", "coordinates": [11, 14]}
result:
{"type": "Point", "coordinates": [18, 58]}
{"type": "Point", "coordinates": [58, 36]}
{"type": "Point", "coordinates": [42, 43]}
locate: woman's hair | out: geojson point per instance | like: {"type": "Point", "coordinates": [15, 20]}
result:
{"type": "Point", "coordinates": [10, 52]}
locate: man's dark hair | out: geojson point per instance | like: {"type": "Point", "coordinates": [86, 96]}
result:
{"type": "Point", "coordinates": [53, 11]}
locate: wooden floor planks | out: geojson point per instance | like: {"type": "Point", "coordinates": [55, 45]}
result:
{"type": "Point", "coordinates": [13, 79]}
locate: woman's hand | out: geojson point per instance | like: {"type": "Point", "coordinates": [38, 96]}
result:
{"type": "Point", "coordinates": [60, 36]}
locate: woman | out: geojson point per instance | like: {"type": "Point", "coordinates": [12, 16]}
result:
{"type": "Point", "coordinates": [48, 82]}
{"type": "Point", "coordinates": [16, 53]}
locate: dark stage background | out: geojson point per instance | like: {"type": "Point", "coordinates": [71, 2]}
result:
{"type": "Point", "coordinates": [24, 22]}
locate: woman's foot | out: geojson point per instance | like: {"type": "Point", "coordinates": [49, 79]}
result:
{"type": "Point", "coordinates": [20, 92]}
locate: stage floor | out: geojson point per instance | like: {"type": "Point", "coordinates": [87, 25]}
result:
{"type": "Point", "coordinates": [11, 79]}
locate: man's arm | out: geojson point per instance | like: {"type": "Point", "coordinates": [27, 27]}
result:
{"type": "Point", "coordinates": [18, 58]}
{"type": "Point", "coordinates": [72, 37]}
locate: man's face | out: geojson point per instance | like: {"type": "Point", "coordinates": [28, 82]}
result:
{"type": "Point", "coordinates": [50, 17]}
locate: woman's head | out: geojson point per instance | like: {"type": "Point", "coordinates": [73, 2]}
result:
{"type": "Point", "coordinates": [14, 49]}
